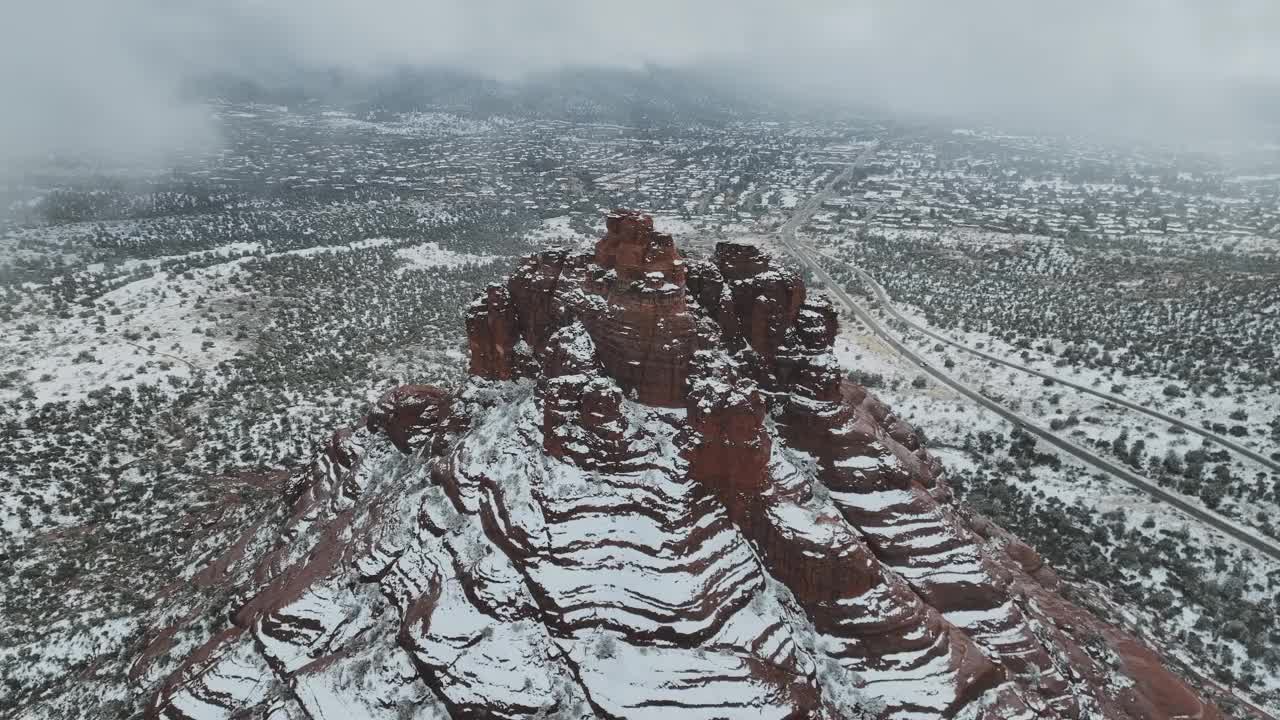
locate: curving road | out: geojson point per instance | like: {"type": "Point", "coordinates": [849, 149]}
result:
{"type": "Point", "coordinates": [887, 305]}
{"type": "Point", "coordinates": [787, 237]}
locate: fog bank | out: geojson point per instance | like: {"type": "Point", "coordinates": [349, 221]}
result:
{"type": "Point", "coordinates": [106, 80]}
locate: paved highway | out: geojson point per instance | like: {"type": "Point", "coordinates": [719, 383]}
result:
{"type": "Point", "coordinates": [787, 236]}
{"type": "Point", "coordinates": [887, 305]}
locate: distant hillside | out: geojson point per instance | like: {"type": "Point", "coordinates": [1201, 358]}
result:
{"type": "Point", "coordinates": [638, 98]}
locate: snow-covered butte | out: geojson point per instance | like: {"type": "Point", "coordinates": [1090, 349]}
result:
{"type": "Point", "coordinates": [656, 496]}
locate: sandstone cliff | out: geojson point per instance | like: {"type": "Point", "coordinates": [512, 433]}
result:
{"type": "Point", "coordinates": [656, 496]}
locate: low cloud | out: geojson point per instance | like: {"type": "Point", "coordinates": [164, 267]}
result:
{"type": "Point", "coordinates": [88, 78]}
{"type": "Point", "coordinates": [106, 79]}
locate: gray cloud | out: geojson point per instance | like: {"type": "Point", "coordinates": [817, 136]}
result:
{"type": "Point", "coordinates": [84, 76]}
{"type": "Point", "coordinates": [80, 77]}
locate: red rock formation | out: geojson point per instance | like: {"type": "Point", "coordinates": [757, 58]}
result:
{"type": "Point", "coordinates": [534, 289]}
{"type": "Point", "coordinates": [729, 448]}
{"type": "Point", "coordinates": [643, 329]}
{"type": "Point", "coordinates": [766, 300]}
{"type": "Point", "coordinates": [582, 408]}
{"type": "Point", "coordinates": [635, 251]}
{"type": "Point", "coordinates": [407, 413]}
{"type": "Point", "coordinates": [818, 556]}
{"type": "Point", "coordinates": [492, 333]}
{"type": "Point", "coordinates": [750, 536]}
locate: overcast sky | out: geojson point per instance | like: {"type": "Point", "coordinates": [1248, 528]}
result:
{"type": "Point", "coordinates": [97, 76]}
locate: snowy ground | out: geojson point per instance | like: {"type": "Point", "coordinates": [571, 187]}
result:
{"type": "Point", "coordinates": [1259, 404]}
{"type": "Point", "coordinates": [165, 325]}
{"type": "Point", "coordinates": [559, 231]}
{"type": "Point", "coordinates": [1102, 421]}
{"type": "Point", "coordinates": [141, 333]}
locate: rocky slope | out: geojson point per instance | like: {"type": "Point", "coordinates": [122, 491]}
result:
{"type": "Point", "coordinates": [655, 497]}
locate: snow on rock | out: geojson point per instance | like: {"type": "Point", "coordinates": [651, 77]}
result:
{"type": "Point", "coordinates": [656, 496]}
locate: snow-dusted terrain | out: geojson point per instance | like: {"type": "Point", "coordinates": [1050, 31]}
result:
{"type": "Point", "coordinates": [180, 340]}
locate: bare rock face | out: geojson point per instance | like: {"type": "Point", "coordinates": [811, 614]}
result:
{"type": "Point", "coordinates": [644, 331]}
{"type": "Point", "coordinates": [655, 497]}
{"type": "Point", "coordinates": [493, 333]}
{"type": "Point", "coordinates": [535, 290]}
{"type": "Point", "coordinates": [725, 442]}
{"type": "Point", "coordinates": [766, 301]}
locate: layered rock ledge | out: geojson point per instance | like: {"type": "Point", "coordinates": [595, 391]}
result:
{"type": "Point", "coordinates": [656, 496]}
